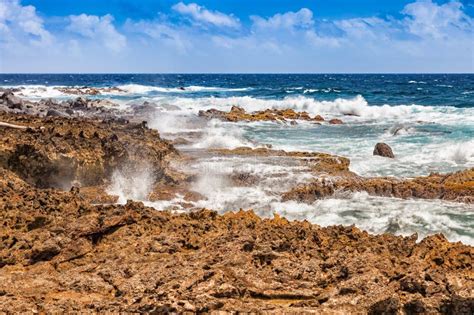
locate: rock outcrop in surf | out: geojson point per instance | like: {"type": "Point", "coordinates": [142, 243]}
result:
{"type": "Point", "coordinates": [239, 114]}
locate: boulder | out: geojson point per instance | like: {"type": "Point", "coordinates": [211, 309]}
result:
{"type": "Point", "coordinates": [335, 121]}
{"type": "Point", "coordinates": [12, 101]}
{"type": "Point", "coordinates": [384, 150]}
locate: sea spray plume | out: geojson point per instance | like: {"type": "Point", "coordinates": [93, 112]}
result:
{"type": "Point", "coordinates": [170, 120]}
{"type": "Point", "coordinates": [233, 184]}
{"type": "Point", "coordinates": [133, 182]}
{"type": "Point", "coordinates": [222, 135]}
{"type": "Point", "coordinates": [462, 153]}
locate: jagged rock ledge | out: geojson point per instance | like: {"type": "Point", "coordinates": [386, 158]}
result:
{"type": "Point", "coordinates": [58, 152]}
{"type": "Point", "coordinates": [61, 254]}
{"type": "Point", "coordinates": [237, 113]}
{"type": "Point", "coordinates": [458, 186]}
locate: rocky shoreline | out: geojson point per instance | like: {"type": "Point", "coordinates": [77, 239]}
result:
{"type": "Point", "coordinates": [68, 247]}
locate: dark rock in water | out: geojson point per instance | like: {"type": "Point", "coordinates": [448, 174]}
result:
{"type": "Point", "coordinates": [335, 121]}
{"type": "Point", "coordinates": [384, 150]}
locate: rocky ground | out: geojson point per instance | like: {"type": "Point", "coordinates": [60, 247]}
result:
{"type": "Point", "coordinates": [67, 247]}
{"type": "Point", "coordinates": [61, 254]}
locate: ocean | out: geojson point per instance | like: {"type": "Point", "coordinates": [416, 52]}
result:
{"type": "Point", "coordinates": [427, 119]}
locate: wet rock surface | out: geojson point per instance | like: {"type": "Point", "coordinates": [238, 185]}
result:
{"type": "Point", "coordinates": [239, 114]}
{"type": "Point", "coordinates": [61, 254]}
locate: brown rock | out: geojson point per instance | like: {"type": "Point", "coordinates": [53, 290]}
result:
{"type": "Point", "coordinates": [58, 151]}
{"type": "Point", "coordinates": [384, 150]}
{"type": "Point", "coordinates": [130, 258]}
{"type": "Point", "coordinates": [239, 114]}
{"type": "Point", "coordinates": [458, 186]}
{"type": "Point", "coordinates": [335, 121]}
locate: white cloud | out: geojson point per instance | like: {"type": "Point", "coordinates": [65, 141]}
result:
{"type": "Point", "coordinates": [428, 19]}
{"type": "Point", "coordinates": [366, 28]}
{"type": "Point", "coordinates": [427, 37]}
{"type": "Point", "coordinates": [18, 23]}
{"type": "Point", "coordinates": [100, 29]}
{"type": "Point", "coordinates": [201, 14]}
{"type": "Point", "coordinates": [290, 20]}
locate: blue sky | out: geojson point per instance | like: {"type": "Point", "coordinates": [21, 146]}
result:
{"type": "Point", "coordinates": [237, 36]}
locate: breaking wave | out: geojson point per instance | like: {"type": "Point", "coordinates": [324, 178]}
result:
{"type": "Point", "coordinates": [144, 89]}
{"type": "Point", "coordinates": [356, 108]}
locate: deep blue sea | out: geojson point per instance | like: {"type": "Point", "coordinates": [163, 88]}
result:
{"type": "Point", "coordinates": [427, 119]}
{"type": "Point", "coordinates": [378, 89]}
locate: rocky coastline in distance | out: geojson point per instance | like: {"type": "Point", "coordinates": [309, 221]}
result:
{"type": "Point", "coordinates": [68, 247]}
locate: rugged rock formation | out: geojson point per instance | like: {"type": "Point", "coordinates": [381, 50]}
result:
{"type": "Point", "coordinates": [384, 150]}
{"type": "Point", "coordinates": [60, 254]}
{"type": "Point", "coordinates": [457, 186]}
{"type": "Point", "coordinates": [239, 114]}
{"type": "Point", "coordinates": [55, 151]}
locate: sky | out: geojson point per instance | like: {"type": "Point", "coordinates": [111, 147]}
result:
{"type": "Point", "coordinates": [236, 36]}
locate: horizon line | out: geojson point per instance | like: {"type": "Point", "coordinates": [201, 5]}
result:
{"type": "Point", "coordinates": [226, 73]}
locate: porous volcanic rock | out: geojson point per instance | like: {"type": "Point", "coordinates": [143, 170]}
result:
{"type": "Point", "coordinates": [384, 150]}
{"type": "Point", "coordinates": [60, 254]}
{"type": "Point", "coordinates": [56, 151]}
{"type": "Point", "coordinates": [239, 114]}
{"type": "Point", "coordinates": [458, 186]}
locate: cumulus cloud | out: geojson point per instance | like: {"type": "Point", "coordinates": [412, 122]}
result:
{"type": "Point", "coordinates": [98, 28]}
{"type": "Point", "coordinates": [428, 19]}
{"type": "Point", "coordinates": [202, 15]}
{"type": "Point", "coordinates": [426, 36]}
{"type": "Point", "coordinates": [18, 22]}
